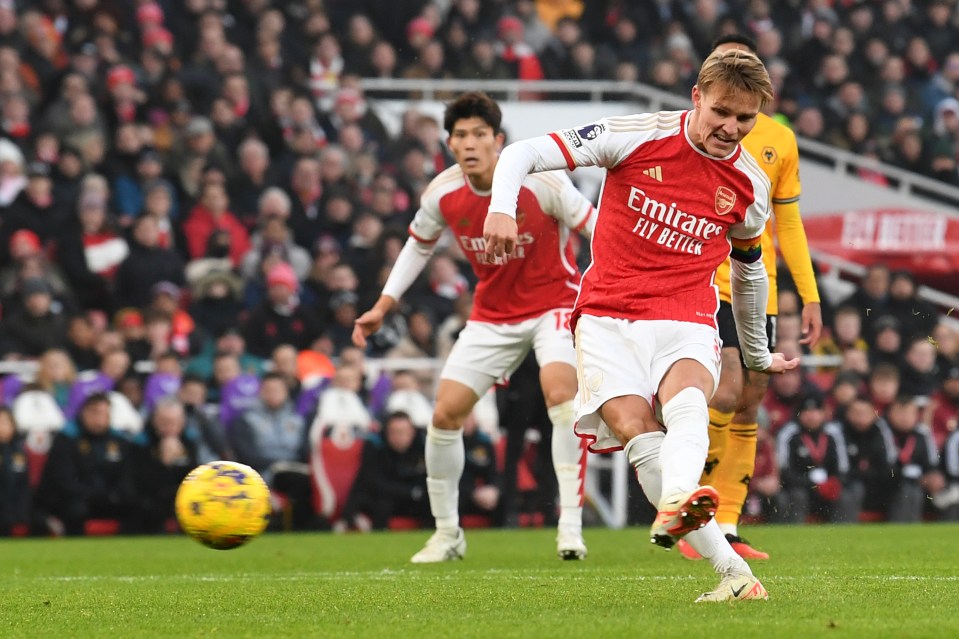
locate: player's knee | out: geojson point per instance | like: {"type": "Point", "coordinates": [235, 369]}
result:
{"type": "Point", "coordinates": [446, 418]}
{"type": "Point", "coordinates": [725, 398]}
{"type": "Point", "coordinates": [555, 396]}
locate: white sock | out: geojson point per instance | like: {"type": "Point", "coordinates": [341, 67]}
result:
{"type": "Point", "coordinates": [683, 454]}
{"type": "Point", "coordinates": [569, 463]}
{"type": "Point", "coordinates": [729, 529]}
{"type": "Point", "coordinates": [642, 452]}
{"type": "Point", "coordinates": [445, 458]}
{"type": "Point", "coordinates": [709, 542]}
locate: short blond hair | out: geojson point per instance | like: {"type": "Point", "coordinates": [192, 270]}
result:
{"type": "Point", "coordinates": [736, 70]}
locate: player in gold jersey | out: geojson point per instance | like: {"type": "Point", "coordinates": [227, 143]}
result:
{"type": "Point", "coordinates": [734, 406]}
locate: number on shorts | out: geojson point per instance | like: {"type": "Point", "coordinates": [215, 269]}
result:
{"type": "Point", "coordinates": [562, 319]}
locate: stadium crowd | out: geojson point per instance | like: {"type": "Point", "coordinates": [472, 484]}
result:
{"type": "Point", "coordinates": [196, 197]}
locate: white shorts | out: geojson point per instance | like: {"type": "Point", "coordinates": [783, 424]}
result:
{"type": "Point", "coordinates": [617, 357]}
{"type": "Point", "coordinates": [485, 352]}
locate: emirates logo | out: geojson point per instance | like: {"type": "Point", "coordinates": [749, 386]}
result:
{"type": "Point", "coordinates": [725, 200]}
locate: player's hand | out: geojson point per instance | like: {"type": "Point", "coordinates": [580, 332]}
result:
{"type": "Point", "coordinates": [781, 364]}
{"type": "Point", "coordinates": [365, 325]}
{"type": "Point", "coordinates": [499, 231]}
{"type": "Point", "coordinates": [811, 323]}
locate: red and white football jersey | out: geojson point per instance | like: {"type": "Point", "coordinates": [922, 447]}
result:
{"type": "Point", "coordinates": [541, 273]}
{"type": "Point", "coordinates": [666, 216]}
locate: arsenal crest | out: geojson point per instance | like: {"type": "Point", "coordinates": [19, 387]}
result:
{"type": "Point", "coordinates": [725, 200]}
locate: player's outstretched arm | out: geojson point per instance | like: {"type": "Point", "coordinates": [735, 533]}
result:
{"type": "Point", "coordinates": [409, 264]}
{"type": "Point", "coordinates": [515, 162]}
{"type": "Point", "coordinates": [371, 321]}
{"type": "Point", "coordinates": [780, 364]}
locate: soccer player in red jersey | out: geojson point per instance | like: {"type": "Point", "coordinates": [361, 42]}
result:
{"type": "Point", "coordinates": [520, 303]}
{"type": "Point", "coordinates": [679, 194]}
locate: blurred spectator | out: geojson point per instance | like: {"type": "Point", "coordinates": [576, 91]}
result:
{"type": "Point", "coordinates": [871, 453]}
{"type": "Point", "coordinates": [845, 333]}
{"type": "Point", "coordinates": [181, 335]}
{"type": "Point", "coordinates": [944, 407]}
{"type": "Point", "coordinates": [916, 317]}
{"type": "Point", "coordinates": [198, 150]}
{"type": "Point", "coordinates": [147, 264]}
{"type": "Point", "coordinates": [208, 431]}
{"type": "Point", "coordinates": [215, 304]}
{"type": "Point", "coordinates": [392, 478]}
{"type": "Point", "coordinates": [253, 178]}
{"type": "Point", "coordinates": [846, 387]}
{"type": "Point", "coordinates": [274, 237]}
{"type": "Point", "coordinates": [35, 209]}
{"type": "Point", "coordinates": [211, 213]}
{"type": "Point", "coordinates": [27, 260]}
{"type": "Point", "coordinates": [81, 342]}
{"type": "Point", "coordinates": [166, 454]}
{"type": "Point", "coordinates": [130, 189]}
{"type": "Point", "coordinates": [915, 471]}
{"type": "Point", "coordinates": [871, 298]}
{"type": "Point", "coordinates": [15, 495]}
{"type": "Point", "coordinates": [272, 437]}
{"type": "Point", "coordinates": [114, 366]}
{"type": "Point", "coordinates": [919, 373]}
{"type": "Point", "coordinates": [887, 342]}
{"type": "Point", "coordinates": [480, 483]}
{"type": "Point", "coordinates": [883, 386]}
{"type": "Point", "coordinates": [813, 464]}
{"type": "Point", "coordinates": [280, 318]}
{"type": "Point", "coordinates": [91, 256]}
{"type": "Point", "coordinates": [948, 499]}
{"type": "Point", "coordinates": [55, 375]}
{"type": "Point", "coordinates": [90, 472]}
{"type": "Point", "coordinates": [39, 326]}
{"type": "Point", "coordinates": [406, 396]}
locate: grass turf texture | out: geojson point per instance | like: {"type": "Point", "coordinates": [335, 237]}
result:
{"type": "Point", "coordinates": [873, 581]}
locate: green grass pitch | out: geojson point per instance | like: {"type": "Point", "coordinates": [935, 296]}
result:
{"type": "Point", "coordinates": [864, 581]}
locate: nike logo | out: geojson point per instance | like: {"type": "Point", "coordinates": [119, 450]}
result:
{"type": "Point", "coordinates": [738, 591]}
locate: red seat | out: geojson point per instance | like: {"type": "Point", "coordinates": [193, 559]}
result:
{"type": "Point", "coordinates": [101, 527]}
{"type": "Point", "coordinates": [403, 523]}
{"type": "Point", "coordinates": [334, 463]}
{"type": "Point", "coordinates": [37, 447]}
{"type": "Point", "coordinates": [475, 521]}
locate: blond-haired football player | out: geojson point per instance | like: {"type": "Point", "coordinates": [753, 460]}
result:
{"type": "Point", "coordinates": [680, 197]}
{"type": "Point", "coordinates": [734, 408]}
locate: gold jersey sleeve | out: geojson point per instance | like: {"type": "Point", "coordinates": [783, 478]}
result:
{"type": "Point", "coordinates": [773, 145]}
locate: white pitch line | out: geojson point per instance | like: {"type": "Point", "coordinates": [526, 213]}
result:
{"type": "Point", "coordinates": [491, 575]}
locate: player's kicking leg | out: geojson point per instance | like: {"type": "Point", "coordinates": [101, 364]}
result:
{"type": "Point", "coordinates": [445, 458]}
{"type": "Point", "coordinates": [558, 380]}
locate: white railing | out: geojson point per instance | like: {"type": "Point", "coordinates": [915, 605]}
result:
{"type": "Point", "coordinates": [649, 98]}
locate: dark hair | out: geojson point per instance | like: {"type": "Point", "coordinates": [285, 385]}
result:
{"type": "Point", "coordinates": [474, 104]}
{"type": "Point", "coordinates": [95, 398]}
{"type": "Point", "coordinates": [272, 375]}
{"type": "Point", "coordinates": [192, 378]}
{"type": "Point", "coordinates": [735, 38]}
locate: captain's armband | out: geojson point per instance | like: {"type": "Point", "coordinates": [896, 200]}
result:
{"type": "Point", "coordinates": [746, 251]}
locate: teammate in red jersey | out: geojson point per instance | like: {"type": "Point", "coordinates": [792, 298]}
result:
{"type": "Point", "coordinates": [520, 303]}
{"type": "Point", "coordinates": [679, 192]}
